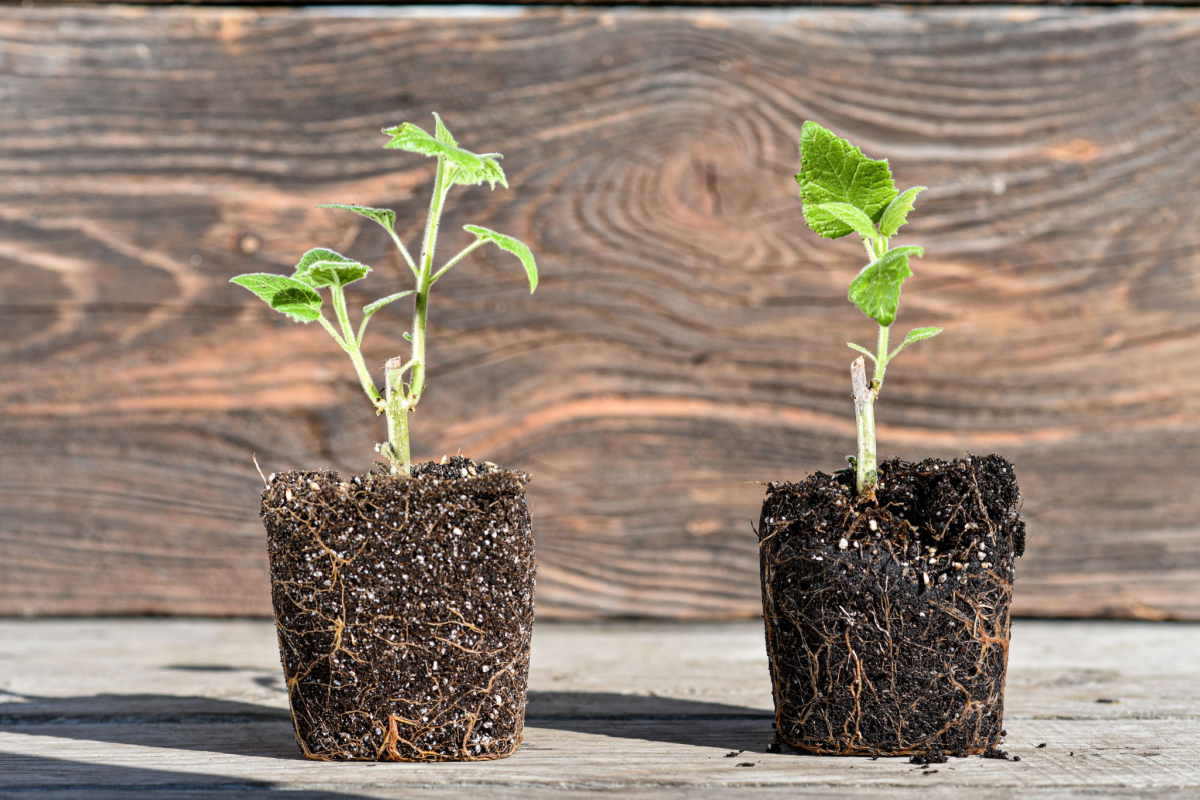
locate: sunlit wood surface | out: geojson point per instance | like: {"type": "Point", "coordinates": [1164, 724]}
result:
{"type": "Point", "coordinates": [188, 709]}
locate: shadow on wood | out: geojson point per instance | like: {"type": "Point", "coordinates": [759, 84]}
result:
{"type": "Point", "coordinates": [657, 719]}
{"type": "Point", "coordinates": [63, 779]}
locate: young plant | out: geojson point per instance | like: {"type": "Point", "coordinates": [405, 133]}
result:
{"type": "Point", "coordinates": [297, 296]}
{"type": "Point", "coordinates": [842, 191]}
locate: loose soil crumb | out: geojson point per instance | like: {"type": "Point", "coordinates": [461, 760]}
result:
{"type": "Point", "coordinates": [734, 753]}
{"type": "Point", "coordinates": [996, 753]}
{"type": "Point", "coordinates": [404, 607]}
{"type": "Point", "coordinates": [929, 758]}
{"type": "Point", "coordinates": [1040, 746]}
{"type": "Point", "coordinates": [896, 643]}
{"type": "Point", "coordinates": [745, 764]}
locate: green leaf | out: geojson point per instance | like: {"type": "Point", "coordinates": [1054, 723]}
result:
{"type": "Point", "coordinates": [876, 289]}
{"type": "Point", "coordinates": [847, 214]}
{"type": "Point", "coordinates": [861, 349]}
{"type": "Point", "coordinates": [834, 171]}
{"type": "Point", "coordinates": [469, 168]}
{"type": "Point", "coordinates": [286, 295]}
{"type": "Point", "coordinates": [918, 334]}
{"type": "Point", "coordinates": [915, 335]}
{"type": "Point", "coordinates": [513, 246]}
{"type": "Point", "coordinates": [370, 309]}
{"type": "Point", "coordinates": [441, 132]}
{"type": "Point", "coordinates": [896, 214]}
{"type": "Point", "coordinates": [320, 267]}
{"type": "Point", "coordinates": [384, 216]}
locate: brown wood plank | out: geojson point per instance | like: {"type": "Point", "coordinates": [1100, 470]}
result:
{"type": "Point", "coordinates": [688, 336]}
{"type": "Point", "coordinates": [616, 710]}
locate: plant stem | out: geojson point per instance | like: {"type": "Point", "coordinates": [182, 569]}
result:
{"type": "Point", "coordinates": [397, 406]}
{"type": "Point", "coordinates": [402, 399]}
{"type": "Point", "coordinates": [866, 473]}
{"type": "Point", "coordinates": [349, 343]}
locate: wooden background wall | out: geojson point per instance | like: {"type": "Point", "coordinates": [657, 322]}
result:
{"type": "Point", "coordinates": [688, 336]}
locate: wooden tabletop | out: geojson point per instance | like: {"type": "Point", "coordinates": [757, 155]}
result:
{"type": "Point", "coordinates": [195, 708]}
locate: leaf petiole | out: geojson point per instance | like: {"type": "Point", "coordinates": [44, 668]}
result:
{"type": "Point", "coordinates": [463, 254]}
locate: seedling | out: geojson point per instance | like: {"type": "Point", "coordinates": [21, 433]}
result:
{"type": "Point", "coordinates": [842, 191]}
{"type": "Point", "coordinates": [298, 297]}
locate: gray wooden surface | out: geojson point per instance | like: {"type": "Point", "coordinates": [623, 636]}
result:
{"type": "Point", "coordinates": [158, 708]}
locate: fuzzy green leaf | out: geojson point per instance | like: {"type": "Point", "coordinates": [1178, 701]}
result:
{"type": "Point", "coordinates": [384, 216]}
{"type": "Point", "coordinates": [876, 289]}
{"type": "Point", "coordinates": [469, 168]}
{"type": "Point", "coordinates": [847, 214]}
{"type": "Point", "coordinates": [919, 334]}
{"type": "Point", "coordinates": [834, 171]}
{"type": "Point", "coordinates": [371, 308]}
{"type": "Point", "coordinates": [441, 132]}
{"type": "Point", "coordinates": [286, 295]}
{"type": "Point", "coordinates": [320, 267]}
{"type": "Point", "coordinates": [513, 246]}
{"type": "Point", "coordinates": [896, 214]}
{"type": "Point", "coordinates": [915, 335]}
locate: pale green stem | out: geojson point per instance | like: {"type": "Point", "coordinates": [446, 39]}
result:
{"type": "Point", "coordinates": [866, 467]}
{"type": "Point", "coordinates": [400, 399]}
{"type": "Point", "coordinates": [465, 252]}
{"type": "Point", "coordinates": [404, 252]}
{"type": "Point", "coordinates": [350, 345]}
{"type": "Point", "coordinates": [424, 281]}
{"type": "Point", "coordinates": [397, 449]}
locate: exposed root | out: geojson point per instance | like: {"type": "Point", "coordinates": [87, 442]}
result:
{"type": "Point", "coordinates": [878, 643]}
{"type": "Point", "coordinates": [404, 608]}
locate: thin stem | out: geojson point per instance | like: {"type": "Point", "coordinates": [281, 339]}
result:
{"type": "Point", "coordinates": [881, 359]}
{"type": "Point", "coordinates": [421, 305]}
{"type": "Point", "coordinates": [412, 265]}
{"type": "Point", "coordinates": [350, 344]}
{"type": "Point", "coordinates": [333, 332]}
{"type": "Point", "coordinates": [466, 250]}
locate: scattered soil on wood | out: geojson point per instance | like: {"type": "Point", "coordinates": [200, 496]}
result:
{"type": "Point", "coordinates": [404, 607]}
{"type": "Point", "coordinates": [888, 624]}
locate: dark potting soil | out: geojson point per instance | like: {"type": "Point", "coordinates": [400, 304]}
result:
{"type": "Point", "coordinates": [888, 623]}
{"type": "Point", "coordinates": [404, 607]}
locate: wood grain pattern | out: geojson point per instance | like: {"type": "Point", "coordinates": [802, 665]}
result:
{"type": "Point", "coordinates": [170, 708]}
{"type": "Point", "coordinates": [687, 339]}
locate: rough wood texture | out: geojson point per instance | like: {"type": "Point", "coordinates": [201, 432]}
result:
{"type": "Point", "coordinates": [190, 709]}
{"type": "Point", "coordinates": [688, 336]}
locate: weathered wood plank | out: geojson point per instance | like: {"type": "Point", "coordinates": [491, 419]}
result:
{"type": "Point", "coordinates": [688, 336]}
{"type": "Point", "coordinates": [618, 710]}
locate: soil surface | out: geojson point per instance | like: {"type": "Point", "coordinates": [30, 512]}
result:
{"type": "Point", "coordinates": [888, 623]}
{"type": "Point", "coordinates": [404, 607]}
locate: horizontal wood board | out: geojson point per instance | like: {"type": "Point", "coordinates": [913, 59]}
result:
{"type": "Point", "coordinates": [688, 336]}
{"type": "Point", "coordinates": [392, 4]}
{"type": "Point", "coordinates": [186, 709]}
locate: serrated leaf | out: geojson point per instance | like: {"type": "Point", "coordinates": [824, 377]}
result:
{"type": "Point", "coordinates": [896, 213]}
{"type": "Point", "coordinates": [320, 267]}
{"type": "Point", "coordinates": [470, 168]}
{"type": "Point", "coordinates": [876, 289]}
{"type": "Point", "coordinates": [441, 132]}
{"type": "Point", "coordinates": [384, 216]}
{"type": "Point", "coordinates": [857, 220]}
{"type": "Point", "coordinates": [514, 246]}
{"type": "Point", "coordinates": [286, 295]}
{"type": "Point", "coordinates": [834, 171]}
{"type": "Point", "coordinates": [371, 308]}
